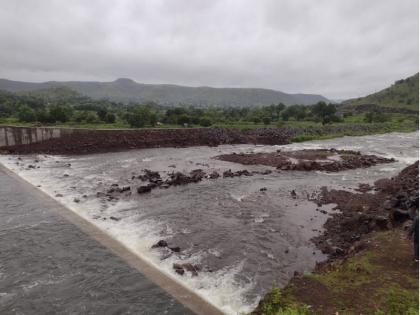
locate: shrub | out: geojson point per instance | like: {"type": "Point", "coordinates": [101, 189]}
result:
{"type": "Point", "coordinates": [205, 121]}
{"type": "Point", "coordinates": [110, 118]}
{"type": "Point", "coordinates": [26, 114]}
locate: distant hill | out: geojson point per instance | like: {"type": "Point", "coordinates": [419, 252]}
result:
{"type": "Point", "coordinates": [127, 90]}
{"type": "Point", "coordinates": [402, 95]}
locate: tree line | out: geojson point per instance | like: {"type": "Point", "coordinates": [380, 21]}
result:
{"type": "Point", "coordinates": [65, 107]}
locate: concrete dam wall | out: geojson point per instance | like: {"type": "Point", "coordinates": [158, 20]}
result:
{"type": "Point", "coordinates": [12, 136]}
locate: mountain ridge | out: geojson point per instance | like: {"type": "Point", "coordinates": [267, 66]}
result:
{"type": "Point", "coordinates": [127, 90]}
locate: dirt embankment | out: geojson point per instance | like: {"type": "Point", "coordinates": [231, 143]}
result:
{"type": "Point", "coordinates": [387, 204]}
{"type": "Point", "coordinates": [331, 160]}
{"type": "Point", "coordinates": [85, 141]}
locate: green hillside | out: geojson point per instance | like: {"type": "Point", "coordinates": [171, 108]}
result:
{"type": "Point", "coordinates": [126, 91]}
{"type": "Point", "coordinates": [402, 94]}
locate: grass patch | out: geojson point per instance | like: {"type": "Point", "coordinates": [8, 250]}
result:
{"type": "Point", "coordinates": [381, 279]}
{"type": "Point", "coordinates": [277, 302]}
{"type": "Point", "coordinates": [398, 301]}
{"type": "Point", "coordinates": [352, 274]}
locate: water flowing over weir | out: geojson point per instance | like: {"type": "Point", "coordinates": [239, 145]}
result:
{"type": "Point", "coordinates": [244, 238]}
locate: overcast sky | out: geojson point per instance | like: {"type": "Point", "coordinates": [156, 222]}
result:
{"type": "Point", "coordinates": [336, 48]}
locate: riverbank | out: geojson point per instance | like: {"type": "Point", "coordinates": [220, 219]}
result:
{"type": "Point", "coordinates": [371, 269]}
{"type": "Point", "coordinates": [68, 141]}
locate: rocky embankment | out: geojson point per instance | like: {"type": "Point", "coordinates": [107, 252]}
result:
{"type": "Point", "coordinates": [330, 160]}
{"type": "Point", "coordinates": [85, 141]}
{"type": "Point", "coordinates": [362, 264]}
{"type": "Point", "coordinates": [387, 204]}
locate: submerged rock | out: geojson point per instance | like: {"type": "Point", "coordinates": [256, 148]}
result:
{"type": "Point", "coordinates": [144, 189]}
{"type": "Point", "coordinates": [161, 243]}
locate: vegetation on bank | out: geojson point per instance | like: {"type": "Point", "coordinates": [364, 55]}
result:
{"type": "Point", "coordinates": [65, 108]}
{"type": "Point", "coordinates": [380, 279]}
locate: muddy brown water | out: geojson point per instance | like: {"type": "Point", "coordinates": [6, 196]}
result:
{"type": "Point", "coordinates": [244, 238]}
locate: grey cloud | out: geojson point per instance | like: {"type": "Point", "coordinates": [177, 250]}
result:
{"type": "Point", "coordinates": [336, 48]}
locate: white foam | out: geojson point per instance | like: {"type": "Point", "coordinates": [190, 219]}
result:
{"type": "Point", "coordinates": [221, 288]}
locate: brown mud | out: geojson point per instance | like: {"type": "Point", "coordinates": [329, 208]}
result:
{"type": "Point", "coordinates": [331, 160]}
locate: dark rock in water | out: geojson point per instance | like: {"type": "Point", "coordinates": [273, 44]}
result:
{"type": "Point", "coordinates": [115, 218]}
{"type": "Point", "coordinates": [263, 189]}
{"type": "Point", "coordinates": [175, 249]}
{"type": "Point", "coordinates": [100, 194]}
{"type": "Point", "coordinates": [161, 243]}
{"type": "Point", "coordinates": [31, 166]}
{"type": "Point", "coordinates": [66, 175]}
{"type": "Point", "coordinates": [178, 269]}
{"type": "Point", "coordinates": [197, 175]}
{"type": "Point", "coordinates": [172, 166]}
{"type": "Point", "coordinates": [181, 268]}
{"type": "Point", "coordinates": [124, 188]}
{"type": "Point", "coordinates": [114, 185]}
{"type": "Point", "coordinates": [228, 173]}
{"type": "Point", "coordinates": [151, 176]}
{"type": "Point", "coordinates": [179, 178]}
{"type": "Point", "coordinates": [243, 173]}
{"type": "Point", "coordinates": [59, 195]}
{"type": "Point", "coordinates": [266, 172]}
{"type": "Point", "coordinates": [77, 200]}
{"type": "Point", "coordinates": [214, 175]}
{"type": "Point", "coordinates": [194, 269]}
{"type": "Point", "coordinates": [293, 194]}
{"type": "Point", "coordinates": [144, 189]}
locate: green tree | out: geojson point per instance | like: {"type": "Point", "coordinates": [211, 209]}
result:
{"type": "Point", "coordinates": [266, 120]}
{"type": "Point", "coordinates": [183, 119]}
{"type": "Point", "coordinates": [26, 114]}
{"type": "Point", "coordinates": [102, 112]}
{"type": "Point", "coordinates": [139, 117]}
{"type": "Point", "coordinates": [43, 116]}
{"type": "Point", "coordinates": [91, 117]}
{"type": "Point", "coordinates": [205, 121]}
{"type": "Point", "coordinates": [324, 113]}
{"type": "Point", "coordinates": [110, 118]}
{"type": "Point", "coordinates": [60, 113]}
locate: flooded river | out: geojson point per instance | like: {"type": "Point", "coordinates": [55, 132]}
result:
{"type": "Point", "coordinates": [244, 237]}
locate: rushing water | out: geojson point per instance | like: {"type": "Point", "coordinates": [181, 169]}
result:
{"type": "Point", "coordinates": [244, 237]}
{"type": "Point", "coordinates": [47, 266]}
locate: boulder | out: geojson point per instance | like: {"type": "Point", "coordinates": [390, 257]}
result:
{"type": "Point", "coordinates": [161, 243]}
{"type": "Point", "coordinates": [144, 189]}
